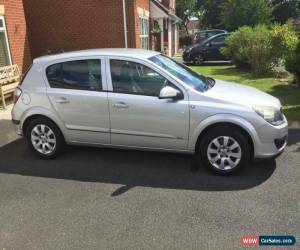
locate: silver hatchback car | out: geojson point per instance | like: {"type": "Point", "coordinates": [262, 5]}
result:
{"type": "Point", "coordinates": [130, 98]}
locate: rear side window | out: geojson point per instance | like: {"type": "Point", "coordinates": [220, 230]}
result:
{"type": "Point", "coordinates": [81, 75]}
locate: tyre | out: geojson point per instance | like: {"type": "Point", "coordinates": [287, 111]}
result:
{"type": "Point", "coordinates": [224, 149]}
{"type": "Point", "coordinates": [198, 59]}
{"type": "Point", "coordinates": [44, 138]}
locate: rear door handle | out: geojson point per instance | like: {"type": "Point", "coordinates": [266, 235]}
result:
{"type": "Point", "coordinates": [121, 105]}
{"type": "Point", "coordinates": [62, 100]}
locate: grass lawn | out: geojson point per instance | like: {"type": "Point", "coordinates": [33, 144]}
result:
{"type": "Point", "coordinates": [288, 94]}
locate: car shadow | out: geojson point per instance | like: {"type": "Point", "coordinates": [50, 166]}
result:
{"type": "Point", "coordinates": [129, 169]}
{"type": "Point", "coordinates": [7, 132]}
{"type": "Point", "coordinates": [294, 136]}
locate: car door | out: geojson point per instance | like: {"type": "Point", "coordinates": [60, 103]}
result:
{"type": "Point", "coordinates": [78, 92]}
{"type": "Point", "coordinates": [213, 46]}
{"type": "Point", "coordinates": [138, 117]}
{"type": "Point", "coordinates": [216, 44]}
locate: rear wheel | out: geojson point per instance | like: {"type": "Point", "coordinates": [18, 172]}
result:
{"type": "Point", "coordinates": [44, 138]}
{"type": "Point", "coordinates": [224, 149]}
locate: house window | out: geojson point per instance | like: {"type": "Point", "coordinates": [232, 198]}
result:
{"type": "Point", "coordinates": [4, 49]}
{"type": "Point", "coordinates": [144, 32]}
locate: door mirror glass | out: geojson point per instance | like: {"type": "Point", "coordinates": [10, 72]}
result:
{"type": "Point", "coordinates": [170, 93]}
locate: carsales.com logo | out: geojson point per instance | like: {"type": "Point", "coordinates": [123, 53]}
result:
{"type": "Point", "coordinates": [254, 240]}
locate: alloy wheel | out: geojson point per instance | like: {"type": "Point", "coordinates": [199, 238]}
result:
{"type": "Point", "coordinates": [224, 153]}
{"type": "Point", "coordinates": [43, 139]}
{"type": "Point", "coordinates": [198, 59]}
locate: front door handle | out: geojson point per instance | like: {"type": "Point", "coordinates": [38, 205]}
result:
{"type": "Point", "coordinates": [62, 100]}
{"type": "Point", "coordinates": [121, 105]}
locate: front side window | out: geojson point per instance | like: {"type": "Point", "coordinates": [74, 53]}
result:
{"type": "Point", "coordinates": [218, 40]}
{"type": "Point", "coordinates": [144, 32]}
{"type": "Point", "coordinates": [81, 74]}
{"type": "Point", "coordinates": [181, 71]}
{"type": "Point", "coordinates": [134, 78]}
{"type": "Point", "coordinates": [4, 48]}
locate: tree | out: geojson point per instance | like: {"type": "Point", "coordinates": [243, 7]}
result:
{"type": "Point", "coordinates": [237, 13]}
{"type": "Point", "coordinates": [283, 10]}
{"type": "Point", "coordinates": [209, 13]}
{"type": "Point", "coordinates": [185, 9]}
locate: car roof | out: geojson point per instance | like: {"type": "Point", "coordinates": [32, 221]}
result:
{"type": "Point", "coordinates": [131, 53]}
{"type": "Point", "coordinates": [214, 30]}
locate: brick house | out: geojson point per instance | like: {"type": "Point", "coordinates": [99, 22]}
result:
{"type": "Point", "coordinates": [14, 46]}
{"type": "Point", "coordinates": [56, 26]}
{"type": "Point", "coordinates": [193, 26]}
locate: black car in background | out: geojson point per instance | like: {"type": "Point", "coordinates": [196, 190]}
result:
{"type": "Point", "coordinates": [207, 50]}
{"type": "Point", "coordinates": [205, 34]}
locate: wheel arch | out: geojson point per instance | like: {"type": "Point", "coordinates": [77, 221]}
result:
{"type": "Point", "coordinates": [236, 122]}
{"type": "Point", "coordinates": [32, 114]}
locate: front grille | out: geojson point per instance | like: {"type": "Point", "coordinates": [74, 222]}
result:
{"type": "Point", "coordinates": [280, 142]}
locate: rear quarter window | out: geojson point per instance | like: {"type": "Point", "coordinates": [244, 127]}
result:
{"type": "Point", "coordinates": [54, 75]}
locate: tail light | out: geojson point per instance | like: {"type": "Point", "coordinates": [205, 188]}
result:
{"type": "Point", "coordinates": [17, 94]}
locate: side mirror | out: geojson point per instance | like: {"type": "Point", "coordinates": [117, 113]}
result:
{"type": "Point", "coordinates": [208, 44]}
{"type": "Point", "coordinates": [170, 93]}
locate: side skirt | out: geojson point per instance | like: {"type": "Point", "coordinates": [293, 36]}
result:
{"type": "Point", "coordinates": [76, 143]}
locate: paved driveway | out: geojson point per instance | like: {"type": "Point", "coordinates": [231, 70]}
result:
{"type": "Point", "coordinates": [93, 198]}
{"type": "Point", "coordinates": [7, 130]}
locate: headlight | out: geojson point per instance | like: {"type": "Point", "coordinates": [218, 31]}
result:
{"type": "Point", "coordinates": [188, 50]}
{"type": "Point", "coordinates": [270, 114]}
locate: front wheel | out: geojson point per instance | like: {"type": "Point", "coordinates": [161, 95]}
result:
{"type": "Point", "coordinates": [224, 150]}
{"type": "Point", "coordinates": [44, 138]}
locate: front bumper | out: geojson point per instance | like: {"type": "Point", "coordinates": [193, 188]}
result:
{"type": "Point", "coordinates": [186, 57]}
{"type": "Point", "coordinates": [271, 140]}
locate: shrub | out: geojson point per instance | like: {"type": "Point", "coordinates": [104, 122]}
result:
{"type": "Point", "coordinates": [234, 47]}
{"type": "Point", "coordinates": [250, 48]}
{"type": "Point", "coordinates": [284, 41]}
{"type": "Point", "coordinates": [292, 62]}
{"type": "Point", "coordinates": [260, 48]}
